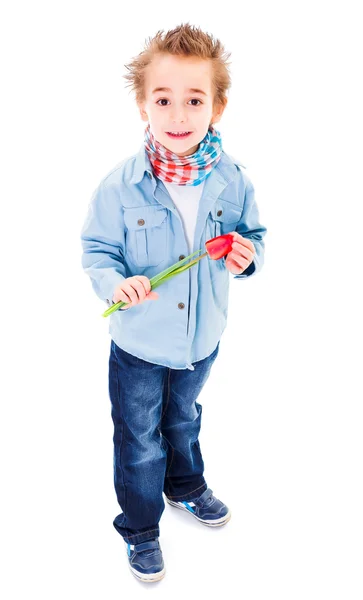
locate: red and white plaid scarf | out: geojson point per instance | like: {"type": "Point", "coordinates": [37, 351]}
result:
{"type": "Point", "coordinates": [184, 170]}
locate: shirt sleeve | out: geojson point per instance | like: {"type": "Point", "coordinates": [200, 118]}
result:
{"type": "Point", "coordinates": [249, 226]}
{"type": "Point", "coordinates": [103, 241]}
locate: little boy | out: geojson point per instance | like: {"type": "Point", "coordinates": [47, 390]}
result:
{"type": "Point", "coordinates": [153, 209]}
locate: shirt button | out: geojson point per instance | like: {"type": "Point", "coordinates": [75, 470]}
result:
{"type": "Point", "coordinates": [181, 257]}
{"type": "Point", "coordinates": [141, 222]}
{"type": "Point", "coordinates": [219, 213]}
{"type": "Point", "coordinates": [149, 174]}
{"type": "Point", "coordinates": [181, 305]}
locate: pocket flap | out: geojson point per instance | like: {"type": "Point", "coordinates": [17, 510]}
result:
{"type": "Point", "coordinates": [142, 217]}
{"type": "Point", "coordinates": [225, 212]}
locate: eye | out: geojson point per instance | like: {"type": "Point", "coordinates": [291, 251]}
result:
{"type": "Point", "coordinates": [162, 99]}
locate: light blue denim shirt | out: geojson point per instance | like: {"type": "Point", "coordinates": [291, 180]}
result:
{"type": "Point", "coordinates": [133, 228]}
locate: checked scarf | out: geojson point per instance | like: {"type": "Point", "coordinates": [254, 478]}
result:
{"type": "Point", "coordinates": [184, 170]}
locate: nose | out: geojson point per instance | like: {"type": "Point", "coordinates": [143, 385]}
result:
{"type": "Point", "coordinates": [178, 115]}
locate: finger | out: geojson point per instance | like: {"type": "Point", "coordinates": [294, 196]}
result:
{"type": "Point", "coordinates": [139, 288]}
{"type": "Point", "coordinates": [145, 281]}
{"type": "Point", "coordinates": [238, 260]}
{"type": "Point", "coordinates": [131, 294]}
{"type": "Point", "coordinates": [246, 242]}
{"type": "Point", "coordinates": [239, 239]}
{"type": "Point", "coordinates": [151, 296]}
{"type": "Point", "coordinates": [124, 298]}
{"type": "Point", "coordinates": [234, 261]}
{"type": "Point", "coordinates": [242, 251]}
{"type": "Point", "coordinates": [247, 256]}
{"type": "Point", "coordinates": [233, 267]}
{"type": "Point", "coordinates": [127, 300]}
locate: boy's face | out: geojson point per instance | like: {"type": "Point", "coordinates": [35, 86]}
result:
{"type": "Point", "coordinates": [179, 109]}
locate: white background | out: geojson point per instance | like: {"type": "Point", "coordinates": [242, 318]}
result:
{"type": "Point", "coordinates": [282, 411]}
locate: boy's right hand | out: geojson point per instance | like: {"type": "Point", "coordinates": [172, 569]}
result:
{"type": "Point", "coordinates": [134, 290]}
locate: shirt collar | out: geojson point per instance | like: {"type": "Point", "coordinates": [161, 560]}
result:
{"type": "Point", "coordinates": [141, 164]}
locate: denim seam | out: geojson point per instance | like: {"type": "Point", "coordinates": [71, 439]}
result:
{"type": "Point", "coordinates": [122, 438]}
{"type": "Point", "coordinates": [142, 533]}
{"type": "Point", "coordinates": [167, 397]}
{"type": "Point", "coordinates": [171, 460]}
{"type": "Point", "coordinates": [159, 427]}
{"type": "Point", "coordinates": [164, 411]}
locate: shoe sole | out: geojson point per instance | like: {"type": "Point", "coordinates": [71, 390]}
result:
{"type": "Point", "coordinates": [215, 523]}
{"type": "Point", "coordinates": [148, 577]}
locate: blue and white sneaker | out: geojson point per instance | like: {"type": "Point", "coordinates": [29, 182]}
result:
{"type": "Point", "coordinates": [146, 560]}
{"type": "Point", "coordinates": [206, 508]}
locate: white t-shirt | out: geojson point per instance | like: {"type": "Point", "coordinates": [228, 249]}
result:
{"type": "Point", "coordinates": [186, 198]}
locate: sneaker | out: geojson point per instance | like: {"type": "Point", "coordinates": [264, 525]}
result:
{"type": "Point", "coordinates": [206, 508]}
{"type": "Point", "coordinates": [146, 560]}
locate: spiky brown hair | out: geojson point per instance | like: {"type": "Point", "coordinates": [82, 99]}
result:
{"type": "Point", "coordinates": [184, 40]}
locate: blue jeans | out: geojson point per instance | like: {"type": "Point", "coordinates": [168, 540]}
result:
{"type": "Point", "coordinates": [157, 421]}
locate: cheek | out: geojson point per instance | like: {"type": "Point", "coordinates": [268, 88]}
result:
{"type": "Point", "coordinates": [155, 116]}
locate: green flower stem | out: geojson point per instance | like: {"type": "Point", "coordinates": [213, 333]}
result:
{"type": "Point", "coordinates": [183, 268]}
{"type": "Point", "coordinates": [161, 277]}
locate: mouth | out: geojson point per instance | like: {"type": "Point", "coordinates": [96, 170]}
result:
{"type": "Point", "coordinates": [178, 134]}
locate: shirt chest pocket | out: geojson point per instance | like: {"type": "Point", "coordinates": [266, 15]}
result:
{"type": "Point", "coordinates": [146, 235]}
{"type": "Point", "coordinates": [224, 217]}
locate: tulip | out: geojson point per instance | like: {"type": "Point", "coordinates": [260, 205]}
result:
{"type": "Point", "coordinates": [219, 246]}
{"type": "Point", "coordinates": [216, 248]}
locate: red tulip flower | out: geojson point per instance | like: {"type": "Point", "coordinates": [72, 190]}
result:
{"type": "Point", "coordinates": [219, 246]}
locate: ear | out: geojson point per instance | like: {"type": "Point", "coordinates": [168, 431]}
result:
{"type": "Point", "coordinates": [143, 113]}
{"type": "Point", "coordinates": [218, 112]}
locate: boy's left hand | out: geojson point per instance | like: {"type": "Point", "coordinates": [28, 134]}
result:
{"type": "Point", "coordinates": [242, 254]}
